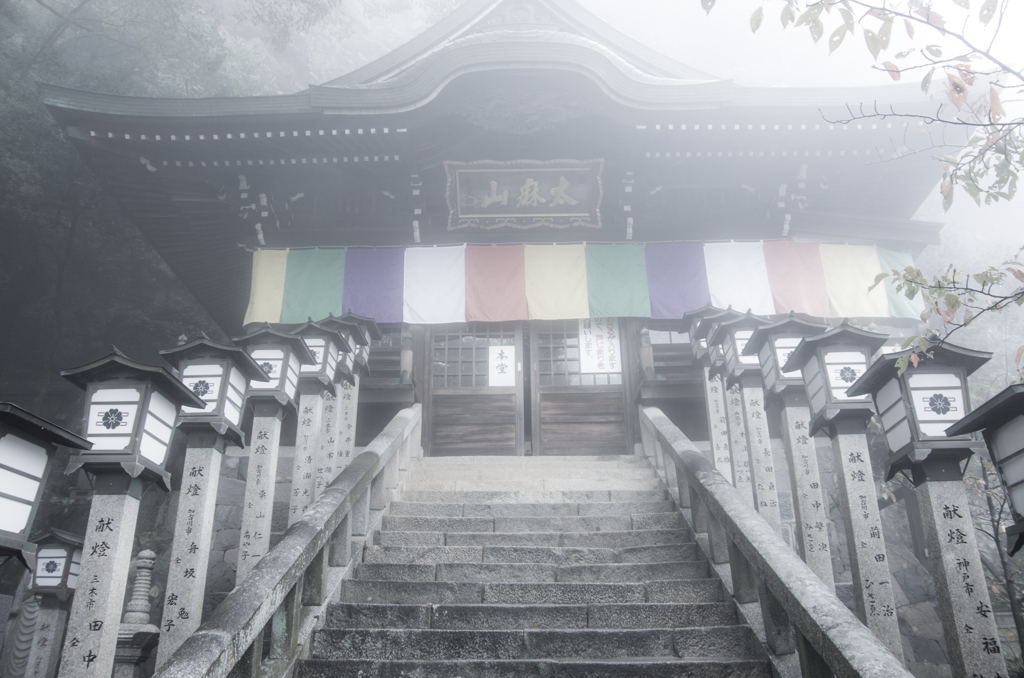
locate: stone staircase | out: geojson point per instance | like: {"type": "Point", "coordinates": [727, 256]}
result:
{"type": "Point", "coordinates": [519, 566]}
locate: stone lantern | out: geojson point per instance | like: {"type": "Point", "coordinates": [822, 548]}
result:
{"type": "Point", "coordinates": [747, 414]}
{"type": "Point", "coordinates": [829, 363]}
{"type": "Point", "coordinates": [315, 448]}
{"type": "Point", "coordinates": [130, 413]}
{"type": "Point", "coordinates": [916, 409]}
{"type": "Point", "coordinates": [27, 445]}
{"type": "Point", "coordinates": [54, 580]}
{"type": "Point", "coordinates": [772, 344]}
{"type": "Point", "coordinates": [1001, 422]}
{"type": "Point", "coordinates": [58, 562]}
{"type": "Point", "coordinates": [726, 445]}
{"type": "Point", "coordinates": [360, 332]}
{"type": "Point", "coordinates": [281, 355]}
{"type": "Point", "coordinates": [218, 374]}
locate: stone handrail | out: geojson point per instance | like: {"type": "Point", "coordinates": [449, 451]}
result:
{"type": "Point", "coordinates": [286, 593]}
{"type": "Point", "coordinates": [801, 615]}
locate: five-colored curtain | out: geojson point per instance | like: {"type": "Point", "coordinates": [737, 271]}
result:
{"type": "Point", "coordinates": [494, 283]}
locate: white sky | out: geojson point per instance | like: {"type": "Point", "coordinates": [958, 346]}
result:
{"type": "Point", "coordinates": [721, 43]}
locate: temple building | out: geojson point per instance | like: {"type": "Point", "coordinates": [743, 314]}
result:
{"type": "Point", "coordinates": [547, 235]}
{"type": "Point", "coordinates": [516, 169]}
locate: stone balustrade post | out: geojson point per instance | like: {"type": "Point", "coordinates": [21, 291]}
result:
{"type": "Point", "coordinates": [192, 540]}
{"type": "Point", "coordinates": [258, 506]}
{"type": "Point", "coordinates": [858, 501]}
{"type": "Point", "coordinates": [810, 505]}
{"type": "Point", "coordinates": [90, 643]}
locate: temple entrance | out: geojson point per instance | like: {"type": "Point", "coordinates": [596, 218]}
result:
{"type": "Point", "coordinates": [476, 389]}
{"type": "Point", "coordinates": [578, 397]}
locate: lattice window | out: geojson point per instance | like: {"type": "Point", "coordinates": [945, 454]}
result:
{"type": "Point", "coordinates": [558, 357]}
{"type": "Point", "coordinates": [460, 352]}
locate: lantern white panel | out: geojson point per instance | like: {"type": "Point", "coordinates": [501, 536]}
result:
{"type": "Point", "coordinates": [899, 436]}
{"type": "Point", "coordinates": [291, 381]}
{"type": "Point", "coordinates": [316, 347]}
{"type": "Point", "coordinates": [13, 515]}
{"type": "Point", "coordinates": [76, 563]}
{"type": "Point", "coordinates": [784, 348]}
{"type": "Point", "coordinates": [332, 358]}
{"type": "Point", "coordinates": [893, 415]}
{"type": "Point", "coordinates": [20, 454]}
{"type": "Point", "coordinates": [888, 395]}
{"type": "Point", "coordinates": [843, 368]}
{"type": "Point", "coordinates": [18, 485]}
{"type": "Point", "coordinates": [109, 419]}
{"type": "Point", "coordinates": [741, 338]}
{"type": "Point", "coordinates": [1008, 438]}
{"type": "Point", "coordinates": [207, 388]}
{"type": "Point", "coordinates": [271, 360]}
{"type": "Point", "coordinates": [938, 401]}
{"type": "Point", "coordinates": [160, 420]}
{"type": "Point", "coordinates": [117, 395]}
{"type": "Point", "coordinates": [1017, 498]}
{"type": "Point", "coordinates": [50, 563]}
{"type": "Point", "coordinates": [934, 380]}
{"type": "Point", "coordinates": [232, 413]}
{"type": "Point", "coordinates": [108, 443]}
{"type": "Point", "coordinates": [237, 380]}
{"type": "Point", "coordinates": [153, 449]}
{"type": "Point", "coordinates": [1012, 471]}
{"type": "Point", "coordinates": [205, 380]}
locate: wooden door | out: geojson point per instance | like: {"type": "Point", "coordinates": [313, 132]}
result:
{"type": "Point", "coordinates": [468, 413]}
{"type": "Point", "coordinates": [573, 410]}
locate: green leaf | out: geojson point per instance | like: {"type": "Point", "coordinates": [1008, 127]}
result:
{"type": "Point", "coordinates": [756, 18]}
{"type": "Point", "coordinates": [787, 16]}
{"type": "Point", "coordinates": [926, 83]}
{"type": "Point", "coordinates": [871, 39]}
{"type": "Point", "coordinates": [817, 29]}
{"type": "Point", "coordinates": [968, 316]}
{"type": "Point", "coordinates": [837, 37]}
{"type": "Point", "coordinates": [934, 50]}
{"type": "Point", "coordinates": [973, 190]}
{"type": "Point", "coordinates": [902, 364]}
{"type": "Point", "coordinates": [884, 33]}
{"type": "Point", "coordinates": [988, 10]}
{"type": "Point", "coordinates": [947, 194]}
{"type": "Point", "coordinates": [707, 5]}
{"type": "Point", "coordinates": [907, 342]}
{"type": "Point", "coordinates": [847, 18]}
{"type": "Point", "coordinates": [810, 14]}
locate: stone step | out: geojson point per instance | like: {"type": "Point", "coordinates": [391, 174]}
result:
{"type": "Point", "coordinates": [635, 616]}
{"type": "Point", "coordinates": [574, 461]}
{"type": "Point", "coordinates": [425, 644]}
{"type": "Point", "coordinates": [528, 554]}
{"type": "Point", "coordinates": [650, 521]}
{"type": "Point", "coordinates": [414, 482]}
{"type": "Point", "coordinates": [613, 540]}
{"type": "Point", "coordinates": [539, 473]}
{"type": "Point", "coordinates": [532, 572]}
{"type": "Point", "coordinates": [414, 508]}
{"type": "Point", "coordinates": [558, 593]}
{"type": "Point", "coordinates": [507, 496]}
{"type": "Point", "coordinates": [560, 668]}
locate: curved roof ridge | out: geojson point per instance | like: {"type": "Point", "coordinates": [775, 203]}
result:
{"type": "Point", "coordinates": [473, 14]}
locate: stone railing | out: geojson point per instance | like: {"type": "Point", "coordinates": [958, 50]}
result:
{"type": "Point", "coordinates": [807, 629]}
{"type": "Point", "coordinates": [264, 625]}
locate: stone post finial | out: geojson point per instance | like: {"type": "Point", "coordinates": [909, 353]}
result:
{"type": "Point", "coordinates": [137, 610]}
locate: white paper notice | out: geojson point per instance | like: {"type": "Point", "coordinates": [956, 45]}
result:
{"type": "Point", "coordinates": [501, 365]}
{"type": "Point", "coordinates": [599, 346]}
